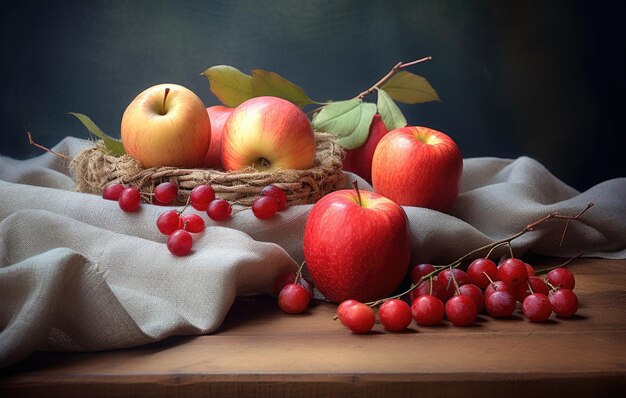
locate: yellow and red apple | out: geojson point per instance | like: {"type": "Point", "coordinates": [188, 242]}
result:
{"type": "Point", "coordinates": [166, 125]}
{"type": "Point", "coordinates": [356, 246]}
{"type": "Point", "coordinates": [217, 115]}
{"type": "Point", "coordinates": [268, 133]}
{"type": "Point", "coordinates": [418, 166]}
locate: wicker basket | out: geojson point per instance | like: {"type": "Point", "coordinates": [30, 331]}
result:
{"type": "Point", "coordinates": [94, 169]}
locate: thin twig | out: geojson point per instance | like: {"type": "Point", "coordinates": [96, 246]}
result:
{"type": "Point", "coordinates": [33, 143]}
{"type": "Point", "coordinates": [389, 74]}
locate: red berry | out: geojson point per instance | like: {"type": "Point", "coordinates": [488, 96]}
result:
{"type": "Point", "coordinates": [498, 286]}
{"type": "Point", "coordinates": [130, 199]}
{"type": "Point", "coordinates": [165, 193]}
{"type": "Point", "coordinates": [536, 307]}
{"type": "Point", "coordinates": [536, 284]}
{"type": "Point", "coordinates": [512, 271]}
{"type": "Point", "coordinates": [529, 269]}
{"type": "Point", "coordinates": [192, 223]}
{"type": "Point", "coordinates": [564, 303]}
{"type": "Point", "coordinates": [283, 279]}
{"type": "Point", "coordinates": [445, 279]}
{"type": "Point", "coordinates": [427, 310]}
{"type": "Point", "coordinates": [475, 293]}
{"type": "Point", "coordinates": [112, 191]}
{"type": "Point", "coordinates": [395, 315]}
{"type": "Point", "coordinates": [168, 222]}
{"type": "Point", "coordinates": [461, 310]}
{"type": "Point", "coordinates": [294, 298]}
{"type": "Point", "coordinates": [201, 196]}
{"type": "Point", "coordinates": [359, 318]}
{"type": "Point", "coordinates": [423, 288]}
{"type": "Point", "coordinates": [500, 304]}
{"type": "Point", "coordinates": [179, 242]}
{"type": "Point", "coordinates": [276, 193]}
{"type": "Point", "coordinates": [264, 207]}
{"type": "Point", "coordinates": [342, 309]}
{"type": "Point", "coordinates": [561, 277]}
{"type": "Point", "coordinates": [219, 210]}
{"type": "Point", "coordinates": [419, 271]}
{"type": "Point", "coordinates": [482, 272]}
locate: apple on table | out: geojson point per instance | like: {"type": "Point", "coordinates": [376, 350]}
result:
{"type": "Point", "coordinates": [356, 245]}
{"type": "Point", "coordinates": [418, 166]}
{"type": "Point", "coordinates": [166, 125]}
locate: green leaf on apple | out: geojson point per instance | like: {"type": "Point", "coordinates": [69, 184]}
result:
{"type": "Point", "coordinates": [230, 85]}
{"type": "Point", "coordinates": [348, 120]}
{"type": "Point", "coordinates": [114, 146]}
{"type": "Point", "coordinates": [409, 88]}
{"type": "Point", "coordinates": [389, 112]}
{"type": "Point", "coordinates": [271, 83]}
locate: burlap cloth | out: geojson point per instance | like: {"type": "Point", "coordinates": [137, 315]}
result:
{"type": "Point", "coordinates": [78, 274]}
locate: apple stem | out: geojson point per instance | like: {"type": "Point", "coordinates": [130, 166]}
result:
{"type": "Point", "coordinates": [355, 184]}
{"type": "Point", "coordinates": [167, 91]}
{"type": "Point", "coordinates": [396, 68]}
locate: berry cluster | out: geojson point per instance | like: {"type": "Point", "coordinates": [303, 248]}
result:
{"type": "Point", "coordinates": [178, 227]}
{"type": "Point", "coordinates": [459, 296]}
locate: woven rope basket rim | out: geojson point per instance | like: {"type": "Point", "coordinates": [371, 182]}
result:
{"type": "Point", "coordinates": [94, 169]}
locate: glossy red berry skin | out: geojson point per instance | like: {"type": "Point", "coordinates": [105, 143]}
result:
{"type": "Point", "coordinates": [500, 304]}
{"type": "Point", "coordinates": [529, 269]}
{"type": "Point", "coordinates": [512, 271]}
{"type": "Point", "coordinates": [438, 289]}
{"type": "Point", "coordinates": [461, 310]}
{"type": "Point", "coordinates": [395, 315]}
{"type": "Point", "coordinates": [192, 223]}
{"type": "Point", "coordinates": [475, 293]}
{"type": "Point", "coordinates": [537, 307]}
{"type": "Point", "coordinates": [342, 309]}
{"type": "Point", "coordinates": [498, 286]}
{"type": "Point", "coordinates": [461, 277]}
{"type": "Point", "coordinates": [165, 193]}
{"type": "Point", "coordinates": [201, 196]}
{"type": "Point", "coordinates": [477, 270]}
{"type": "Point", "coordinates": [420, 270]}
{"type": "Point", "coordinates": [180, 242]}
{"type": "Point", "coordinates": [427, 310]}
{"type": "Point", "coordinates": [264, 207]}
{"type": "Point", "coordinates": [276, 193]}
{"type": "Point", "coordinates": [564, 303]}
{"type": "Point", "coordinates": [130, 199]}
{"type": "Point", "coordinates": [219, 210]}
{"type": "Point", "coordinates": [112, 191]}
{"type": "Point", "coordinates": [561, 277]}
{"type": "Point", "coordinates": [359, 318]}
{"type": "Point", "coordinates": [168, 222]}
{"type": "Point", "coordinates": [294, 298]}
{"type": "Point", "coordinates": [536, 284]}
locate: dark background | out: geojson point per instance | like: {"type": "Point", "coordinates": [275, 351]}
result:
{"type": "Point", "coordinates": [543, 79]}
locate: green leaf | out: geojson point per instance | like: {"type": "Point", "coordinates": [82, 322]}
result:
{"type": "Point", "coordinates": [389, 112]}
{"type": "Point", "coordinates": [348, 120]}
{"type": "Point", "coordinates": [409, 88]}
{"type": "Point", "coordinates": [114, 146]}
{"type": "Point", "coordinates": [230, 85]}
{"type": "Point", "coordinates": [270, 83]}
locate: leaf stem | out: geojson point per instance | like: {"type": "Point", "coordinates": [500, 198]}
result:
{"type": "Point", "coordinates": [396, 68]}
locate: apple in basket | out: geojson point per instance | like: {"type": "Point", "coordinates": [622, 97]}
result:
{"type": "Point", "coordinates": [359, 160]}
{"type": "Point", "coordinates": [269, 134]}
{"type": "Point", "coordinates": [418, 166]}
{"type": "Point", "coordinates": [166, 125]}
{"type": "Point", "coordinates": [356, 245]}
{"type": "Point", "coordinates": [217, 115]}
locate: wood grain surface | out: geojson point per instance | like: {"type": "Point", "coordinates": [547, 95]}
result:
{"type": "Point", "coordinates": [259, 351]}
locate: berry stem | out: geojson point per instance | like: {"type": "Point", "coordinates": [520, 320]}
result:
{"type": "Point", "coordinates": [384, 79]}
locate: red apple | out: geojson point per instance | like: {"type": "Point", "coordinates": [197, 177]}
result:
{"type": "Point", "coordinates": [359, 160]}
{"type": "Point", "coordinates": [418, 166]}
{"type": "Point", "coordinates": [356, 248]}
{"type": "Point", "coordinates": [268, 133]}
{"type": "Point", "coordinates": [166, 125]}
{"type": "Point", "coordinates": [217, 116]}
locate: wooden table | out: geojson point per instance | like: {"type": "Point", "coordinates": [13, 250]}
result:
{"type": "Point", "coordinates": [260, 351]}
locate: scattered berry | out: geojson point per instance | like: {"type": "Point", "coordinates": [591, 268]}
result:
{"type": "Point", "coordinates": [112, 191]}
{"type": "Point", "coordinates": [264, 207]}
{"type": "Point", "coordinates": [219, 210]}
{"type": "Point", "coordinates": [564, 303]}
{"type": "Point", "coordinates": [427, 310]}
{"type": "Point", "coordinates": [192, 223]}
{"type": "Point", "coordinates": [294, 298]}
{"type": "Point", "coordinates": [168, 222]}
{"type": "Point", "coordinates": [561, 277]}
{"type": "Point", "coordinates": [395, 315]}
{"type": "Point", "coordinates": [482, 272]}
{"type": "Point", "coordinates": [201, 196]}
{"type": "Point", "coordinates": [130, 199]}
{"type": "Point", "coordinates": [536, 307]}
{"type": "Point", "coordinates": [165, 193]}
{"type": "Point", "coordinates": [276, 193]}
{"type": "Point", "coordinates": [461, 310]}
{"type": "Point", "coordinates": [512, 271]}
{"type": "Point", "coordinates": [179, 242]}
